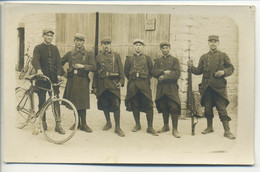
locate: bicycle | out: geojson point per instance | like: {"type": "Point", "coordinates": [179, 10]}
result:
{"type": "Point", "coordinates": [56, 107]}
{"type": "Point", "coordinates": [28, 66]}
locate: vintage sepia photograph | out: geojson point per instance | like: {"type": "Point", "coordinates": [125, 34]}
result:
{"type": "Point", "coordinates": [128, 84]}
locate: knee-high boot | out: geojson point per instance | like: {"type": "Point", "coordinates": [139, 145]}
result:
{"type": "Point", "coordinates": [226, 127]}
{"type": "Point", "coordinates": [58, 127]}
{"type": "Point", "coordinates": [84, 126]}
{"type": "Point", "coordinates": [149, 117]}
{"type": "Point", "coordinates": [175, 132]}
{"type": "Point", "coordinates": [136, 115]}
{"type": "Point", "coordinates": [117, 124]}
{"type": "Point", "coordinates": [108, 124]}
{"type": "Point", "coordinates": [209, 128]}
{"type": "Point", "coordinates": [165, 127]}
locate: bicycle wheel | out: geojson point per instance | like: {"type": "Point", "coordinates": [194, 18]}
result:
{"type": "Point", "coordinates": [23, 72]}
{"type": "Point", "coordinates": [63, 112]}
{"type": "Point", "coordinates": [23, 107]}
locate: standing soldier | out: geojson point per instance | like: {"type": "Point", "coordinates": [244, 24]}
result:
{"type": "Point", "coordinates": [108, 80]}
{"type": "Point", "coordinates": [81, 62]}
{"type": "Point", "coordinates": [167, 70]}
{"type": "Point", "coordinates": [215, 66]}
{"type": "Point", "coordinates": [46, 60]}
{"type": "Point", "coordinates": [138, 70]}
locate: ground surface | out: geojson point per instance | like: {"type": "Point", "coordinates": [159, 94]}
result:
{"type": "Point", "coordinates": [107, 147]}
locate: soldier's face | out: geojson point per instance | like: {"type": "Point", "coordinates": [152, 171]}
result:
{"type": "Point", "coordinates": [138, 47]}
{"type": "Point", "coordinates": [48, 37]}
{"type": "Point", "coordinates": [213, 44]}
{"type": "Point", "coordinates": [106, 46]}
{"type": "Point", "coordinates": [79, 43]}
{"type": "Point", "coordinates": [165, 50]}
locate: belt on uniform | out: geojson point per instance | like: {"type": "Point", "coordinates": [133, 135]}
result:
{"type": "Point", "coordinates": [138, 75]}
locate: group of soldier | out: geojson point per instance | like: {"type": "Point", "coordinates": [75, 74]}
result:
{"type": "Point", "coordinates": [109, 77]}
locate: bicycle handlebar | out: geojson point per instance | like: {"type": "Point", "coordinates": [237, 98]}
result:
{"type": "Point", "coordinates": [45, 78]}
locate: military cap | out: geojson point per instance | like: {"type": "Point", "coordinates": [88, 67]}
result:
{"type": "Point", "coordinates": [80, 36]}
{"type": "Point", "coordinates": [213, 37]}
{"type": "Point", "coordinates": [45, 31]}
{"type": "Point", "coordinates": [138, 41]}
{"type": "Point", "coordinates": [165, 43]}
{"type": "Point", "coordinates": [106, 39]}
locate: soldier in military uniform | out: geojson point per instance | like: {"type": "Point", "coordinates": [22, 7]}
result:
{"type": "Point", "coordinates": [46, 60]}
{"type": "Point", "coordinates": [138, 99]}
{"type": "Point", "coordinates": [167, 70]}
{"type": "Point", "coordinates": [108, 79]}
{"type": "Point", "coordinates": [215, 66]}
{"type": "Point", "coordinates": [81, 62]}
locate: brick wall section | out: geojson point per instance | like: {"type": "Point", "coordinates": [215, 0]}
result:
{"type": "Point", "coordinates": [193, 31]}
{"type": "Point", "coordinates": [34, 24]}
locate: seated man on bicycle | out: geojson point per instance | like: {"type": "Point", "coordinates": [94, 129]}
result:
{"type": "Point", "coordinates": [46, 60]}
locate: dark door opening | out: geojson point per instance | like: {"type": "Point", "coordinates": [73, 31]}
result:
{"type": "Point", "coordinates": [21, 48]}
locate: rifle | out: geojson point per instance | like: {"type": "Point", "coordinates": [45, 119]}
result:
{"type": "Point", "coordinates": [190, 96]}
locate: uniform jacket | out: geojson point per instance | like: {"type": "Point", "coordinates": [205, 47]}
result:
{"type": "Point", "coordinates": [47, 58]}
{"type": "Point", "coordinates": [138, 70]}
{"type": "Point", "coordinates": [77, 86]}
{"type": "Point", "coordinates": [210, 63]}
{"type": "Point", "coordinates": [168, 85]}
{"type": "Point", "coordinates": [109, 73]}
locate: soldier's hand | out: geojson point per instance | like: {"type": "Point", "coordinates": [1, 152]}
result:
{"type": "Point", "coordinates": [167, 71]}
{"type": "Point", "coordinates": [78, 66]}
{"type": "Point", "coordinates": [60, 78]}
{"type": "Point", "coordinates": [39, 72]}
{"type": "Point", "coordinates": [190, 63]}
{"type": "Point", "coordinates": [160, 78]}
{"type": "Point", "coordinates": [94, 91]}
{"type": "Point", "coordinates": [118, 85]}
{"type": "Point", "coordinates": [219, 73]}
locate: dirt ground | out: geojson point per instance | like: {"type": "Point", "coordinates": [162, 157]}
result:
{"type": "Point", "coordinates": [107, 147]}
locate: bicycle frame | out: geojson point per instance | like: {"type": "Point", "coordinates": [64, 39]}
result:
{"type": "Point", "coordinates": [31, 112]}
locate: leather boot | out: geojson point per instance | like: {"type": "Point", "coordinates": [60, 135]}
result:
{"type": "Point", "coordinates": [117, 123]}
{"type": "Point", "coordinates": [84, 126]}
{"type": "Point", "coordinates": [227, 132]}
{"type": "Point", "coordinates": [175, 132]}
{"type": "Point", "coordinates": [59, 128]}
{"type": "Point", "coordinates": [149, 117]}
{"type": "Point", "coordinates": [108, 124]}
{"type": "Point", "coordinates": [137, 126]}
{"type": "Point", "coordinates": [209, 128]}
{"type": "Point", "coordinates": [73, 126]}
{"type": "Point", "coordinates": [166, 127]}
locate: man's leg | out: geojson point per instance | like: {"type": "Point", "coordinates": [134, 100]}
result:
{"type": "Point", "coordinates": [84, 126]}
{"type": "Point", "coordinates": [136, 112]}
{"type": "Point", "coordinates": [79, 116]}
{"type": "Point", "coordinates": [57, 114]}
{"type": "Point", "coordinates": [175, 112]}
{"type": "Point", "coordinates": [117, 123]}
{"type": "Point", "coordinates": [209, 111]}
{"type": "Point", "coordinates": [104, 101]}
{"type": "Point", "coordinates": [42, 98]}
{"type": "Point", "coordinates": [165, 114]}
{"type": "Point", "coordinates": [221, 107]}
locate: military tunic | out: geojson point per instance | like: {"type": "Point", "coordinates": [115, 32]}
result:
{"type": "Point", "coordinates": [167, 86]}
{"type": "Point", "coordinates": [210, 63]}
{"type": "Point", "coordinates": [138, 70]}
{"type": "Point", "coordinates": [47, 58]}
{"type": "Point", "coordinates": [77, 86]}
{"type": "Point", "coordinates": [109, 73]}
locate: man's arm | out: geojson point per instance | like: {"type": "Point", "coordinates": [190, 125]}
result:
{"type": "Point", "coordinates": [36, 59]}
{"type": "Point", "coordinates": [157, 71]}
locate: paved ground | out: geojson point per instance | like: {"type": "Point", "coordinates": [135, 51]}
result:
{"type": "Point", "coordinates": [106, 147]}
